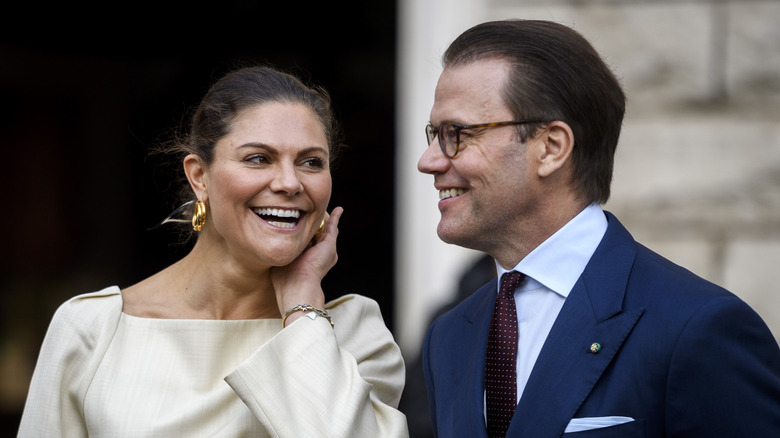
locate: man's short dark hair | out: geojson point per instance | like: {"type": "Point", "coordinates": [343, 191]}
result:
{"type": "Point", "coordinates": [555, 75]}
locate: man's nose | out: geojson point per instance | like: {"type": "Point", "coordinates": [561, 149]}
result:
{"type": "Point", "coordinates": [432, 159]}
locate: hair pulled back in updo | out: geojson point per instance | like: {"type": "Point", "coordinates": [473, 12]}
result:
{"type": "Point", "coordinates": [238, 91]}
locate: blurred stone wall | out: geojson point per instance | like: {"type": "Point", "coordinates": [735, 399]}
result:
{"type": "Point", "coordinates": [697, 173]}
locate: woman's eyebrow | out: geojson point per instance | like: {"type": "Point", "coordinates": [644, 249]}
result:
{"type": "Point", "coordinates": [257, 145]}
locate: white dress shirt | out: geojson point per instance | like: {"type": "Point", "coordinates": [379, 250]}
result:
{"type": "Point", "coordinates": [552, 269]}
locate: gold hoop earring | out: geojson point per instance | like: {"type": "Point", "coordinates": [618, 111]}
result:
{"type": "Point", "coordinates": [199, 216]}
{"type": "Point", "coordinates": [319, 230]}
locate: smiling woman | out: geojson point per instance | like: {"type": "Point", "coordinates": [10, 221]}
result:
{"type": "Point", "coordinates": [273, 160]}
{"type": "Point", "coordinates": [216, 344]}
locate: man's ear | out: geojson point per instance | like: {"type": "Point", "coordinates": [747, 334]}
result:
{"type": "Point", "coordinates": [196, 171]}
{"type": "Point", "coordinates": [557, 144]}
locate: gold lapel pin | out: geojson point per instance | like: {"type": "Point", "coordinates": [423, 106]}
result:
{"type": "Point", "coordinates": [595, 347]}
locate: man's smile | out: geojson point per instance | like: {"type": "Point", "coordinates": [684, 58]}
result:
{"type": "Point", "coordinates": [449, 193]}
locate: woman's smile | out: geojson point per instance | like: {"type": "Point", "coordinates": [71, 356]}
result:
{"type": "Point", "coordinates": [280, 217]}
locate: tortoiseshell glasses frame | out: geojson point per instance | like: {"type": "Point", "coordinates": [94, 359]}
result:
{"type": "Point", "coordinates": [449, 133]}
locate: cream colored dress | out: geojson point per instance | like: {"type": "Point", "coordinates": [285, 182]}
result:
{"type": "Point", "coordinates": [103, 373]}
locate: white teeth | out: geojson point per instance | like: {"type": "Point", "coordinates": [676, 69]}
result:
{"type": "Point", "coordinates": [278, 212]}
{"type": "Point", "coordinates": [282, 224]}
{"type": "Point", "coordinates": [449, 193]}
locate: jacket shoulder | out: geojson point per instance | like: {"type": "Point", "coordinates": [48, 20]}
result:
{"type": "Point", "coordinates": [90, 311]}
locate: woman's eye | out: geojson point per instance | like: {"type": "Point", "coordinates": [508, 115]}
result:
{"type": "Point", "coordinates": [314, 162]}
{"type": "Point", "coordinates": [257, 159]}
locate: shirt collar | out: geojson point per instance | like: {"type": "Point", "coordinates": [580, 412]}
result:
{"type": "Point", "coordinates": [559, 261]}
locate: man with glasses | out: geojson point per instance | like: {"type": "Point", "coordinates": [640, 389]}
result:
{"type": "Point", "coordinates": [584, 329]}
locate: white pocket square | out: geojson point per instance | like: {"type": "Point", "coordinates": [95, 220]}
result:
{"type": "Point", "coordinates": [590, 423]}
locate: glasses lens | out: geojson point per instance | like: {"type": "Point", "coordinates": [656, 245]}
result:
{"type": "Point", "coordinates": [430, 133]}
{"type": "Point", "coordinates": [448, 140]}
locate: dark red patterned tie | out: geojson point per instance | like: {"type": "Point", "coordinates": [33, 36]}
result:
{"type": "Point", "coordinates": [501, 360]}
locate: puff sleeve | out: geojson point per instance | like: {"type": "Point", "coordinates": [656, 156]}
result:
{"type": "Point", "coordinates": [316, 381]}
{"type": "Point", "coordinates": [76, 339]}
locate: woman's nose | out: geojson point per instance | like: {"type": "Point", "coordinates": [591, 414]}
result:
{"type": "Point", "coordinates": [286, 180]}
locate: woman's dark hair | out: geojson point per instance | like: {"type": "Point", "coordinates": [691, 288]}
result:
{"type": "Point", "coordinates": [237, 91]}
{"type": "Point", "coordinates": [555, 75]}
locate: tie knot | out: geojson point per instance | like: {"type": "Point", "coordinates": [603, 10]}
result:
{"type": "Point", "coordinates": [510, 281]}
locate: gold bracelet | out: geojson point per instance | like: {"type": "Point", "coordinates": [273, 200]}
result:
{"type": "Point", "coordinates": [313, 312]}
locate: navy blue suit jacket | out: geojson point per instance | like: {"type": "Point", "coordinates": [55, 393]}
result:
{"type": "Point", "coordinates": [680, 355]}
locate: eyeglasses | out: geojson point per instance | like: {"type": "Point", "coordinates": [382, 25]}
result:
{"type": "Point", "coordinates": [449, 133]}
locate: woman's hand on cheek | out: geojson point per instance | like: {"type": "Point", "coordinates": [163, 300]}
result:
{"type": "Point", "coordinates": [300, 281]}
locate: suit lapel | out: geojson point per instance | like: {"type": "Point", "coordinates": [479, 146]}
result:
{"type": "Point", "coordinates": [566, 370]}
{"type": "Point", "coordinates": [474, 327]}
